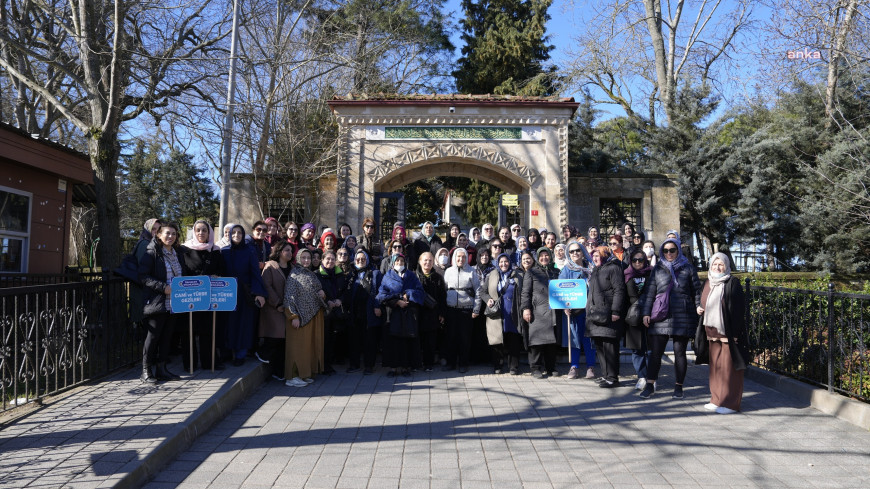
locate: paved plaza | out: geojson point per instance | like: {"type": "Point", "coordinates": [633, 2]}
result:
{"type": "Point", "coordinates": [431, 431]}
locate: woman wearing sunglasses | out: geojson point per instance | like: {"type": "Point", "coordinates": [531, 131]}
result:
{"type": "Point", "coordinates": [673, 274]}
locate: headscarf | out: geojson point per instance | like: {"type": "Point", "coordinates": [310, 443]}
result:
{"type": "Point", "coordinates": [298, 254]}
{"type": "Point", "coordinates": [630, 273]}
{"type": "Point", "coordinates": [569, 263]}
{"type": "Point", "coordinates": [225, 240]}
{"type": "Point", "coordinates": [362, 250]}
{"type": "Point", "coordinates": [675, 233]}
{"type": "Point", "coordinates": [470, 234]}
{"type": "Point", "coordinates": [146, 232]}
{"type": "Point", "coordinates": [594, 241]}
{"type": "Point", "coordinates": [237, 245]}
{"type": "Point", "coordinates": [503, 277]}
{"type": "Point", "coordinates": [544, 249]}
{"type": "Point", "coordinates": [560, 264]}
{"type": "Point", "coordinates": [400, 229]}
{"type": "Point", "coordinates": [442, 252]}
{"type": "Point", "coordinates": [456, 251]}
{"type": "Point", "coordinates": [714, 308]}
{"type": "Point", "coordinates": [396, 256]}
{"type": "Point", "coordinates": [487, 238]}
{"type": "Point", "coordinates": [272, 238]}
{"type": "Point", "coordinates": [323, 237]}
{"type": "Point", "coordinates": [679, 262]}
{"type": "Point", "coordinates": [194, 244]}
{"type": "Point", "coordinates": [423, 226]}
{"type": "Point", "coordinates": [347, 243]}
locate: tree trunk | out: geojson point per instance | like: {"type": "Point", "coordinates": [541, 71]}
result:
{"type": "Point", "coordinates": [653, 10]}
{"type": "Point", "coordinates": [840, 33]}
{"type": "Point", "coordinates": [104, 150]}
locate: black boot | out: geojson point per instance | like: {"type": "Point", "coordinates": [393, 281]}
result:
{"type": "Point", "coordinates": [147, 377]}
{"type": "Point", "coordinates": [163, 373]}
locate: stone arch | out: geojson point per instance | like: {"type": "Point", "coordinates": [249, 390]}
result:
{"type": "Point", "coordinates": [460, 160]}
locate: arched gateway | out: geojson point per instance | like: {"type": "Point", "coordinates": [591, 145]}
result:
{"type": "Point", "coordinates": [519, 144]}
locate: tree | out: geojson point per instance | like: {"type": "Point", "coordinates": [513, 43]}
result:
{"type": "Point", "coordinates": [638, 47]}
{"type": "Point", "coordinates": [117, 60]}
{"type": "Point", "coordinates": [481, 202]}
{"type": "Point", "coordinates": [505, 48]}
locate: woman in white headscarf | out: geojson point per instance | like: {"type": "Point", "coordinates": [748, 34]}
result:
{"type": "Point", "coordinates": [225, 239]}
{"type": "Point", "coordinates": [723, 304]}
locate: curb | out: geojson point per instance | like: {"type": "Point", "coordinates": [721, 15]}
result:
{"type": "Point", "coordinates": [849, 410]}
{"type": "Point", "coordinates": [199, 422]}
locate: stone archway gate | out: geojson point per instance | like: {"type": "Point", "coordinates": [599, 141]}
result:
{"type": "Point", "coordinates": [519, 144]}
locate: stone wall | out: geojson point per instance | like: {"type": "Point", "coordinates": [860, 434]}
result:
{"type": "Point", "coordinates": [659, 201]}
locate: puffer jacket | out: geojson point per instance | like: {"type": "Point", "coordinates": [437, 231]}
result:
{"type": "Point", "coordinates": [607, 288]}
{"type": "Point", "coordinates": [536, 297]}
{"type": "Point", "coordinates": [685, 297]}
{"type": "Point", "coordinates": [462, 284]}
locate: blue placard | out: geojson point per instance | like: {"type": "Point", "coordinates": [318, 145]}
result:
{"type": "Point", "coordinates": [568, 294]}
{"type": "Point", "coordinates": [223, 294]}
{"type": "Point", "coordinates": [190, 294]}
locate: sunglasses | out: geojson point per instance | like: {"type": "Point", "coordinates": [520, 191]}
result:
{"type": "Point", "coordinates": [368, 226]}
{"type": "Point", "coordinates": [670, 251]}
{"type": "Point", "coordinates": [638, 260]}
{"type": "Point", "coordinates": [574, 251]}
{"type": "Point", "coordinates": [496, 246]}
{"type": "Point", "coordinates": [614, 244]}
{"type": "Point", "coordinates": [397, 247]}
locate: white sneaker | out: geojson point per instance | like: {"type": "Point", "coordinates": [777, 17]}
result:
{"type": "Point", "coordinates": [641, 383]}
{"type": "Point", "coordinates": [725, 410]}
{"type": "Point", "coordinates": [710, 406]}
{"type": "Point", "coordinates": [296, 382]}
{"type": "Point", "coordinates": [308, 380]}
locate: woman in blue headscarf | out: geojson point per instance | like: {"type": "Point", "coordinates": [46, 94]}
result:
{"type": "Point", "coordinates": [402, 294]}
{"type": "Point", "coordinates": [500, 288]}
{"type": "Point", "coordinates": [577, 266]}
{"type": "Point", "coordinates": [675, 276]}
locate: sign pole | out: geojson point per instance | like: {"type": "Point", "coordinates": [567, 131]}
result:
{"type": "Point", "coordinates": [213, 331]}
{"type": "Point", "coordinates": [190, 314]}
{"type": "Point", "coordinates": [569, 334]}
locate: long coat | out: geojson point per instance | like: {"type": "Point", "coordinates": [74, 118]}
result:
{"type": "Point", "coordinates": [542, 329]}
{"type": "Point", "coordinates": [489, 290]}
{"type": "Point", "coordinates": [685, 297]}
{"type": "Point", "coordinates": [362, 296]}
{"type": "Point", "coordinates": [434, 286]}
{"type": "Point", "coordinates": [272, 322]}
{"type": "Point", "coordinates": [403, 321]}
{"type": "Point", "coordinates": [607, 289]}
{"type": "Point", "coordinates": [735, 321]}
{"type": "Point", "coordinates": [634, 334]}
{"type": "Point", "coordinates": [152, 276]}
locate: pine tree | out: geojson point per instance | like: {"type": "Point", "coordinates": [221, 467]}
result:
{"type": "Point", "coordinates": [505, 48]}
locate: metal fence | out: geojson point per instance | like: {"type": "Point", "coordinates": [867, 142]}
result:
{"type": "Point", "coordinates": [819, 337]}
{"type": "Point", "coordinates": [56, 336]}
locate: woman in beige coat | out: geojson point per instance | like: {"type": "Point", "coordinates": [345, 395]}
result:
{"type": "Point", "coordinates": [272, 320]}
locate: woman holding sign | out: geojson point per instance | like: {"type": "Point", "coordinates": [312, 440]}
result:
{"type": "Point", "coordinates": [158, 266]}
{"type": "Point", "coordinates": [574, 320]}
{"type": "Point", "coordinates": [605, 310]}
{"type": "Point", "coordinates": [202, 257]}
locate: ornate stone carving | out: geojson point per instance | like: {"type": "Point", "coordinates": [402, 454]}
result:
{"type": "Point", "coordinates": [452, 120]}
{"type": "Point", "coordinates": [446, 151]}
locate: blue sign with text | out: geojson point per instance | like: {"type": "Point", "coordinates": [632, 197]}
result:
{"type": "Point", "coordinates": [568, 294]}
{"type": "Point", "coordinates": [223, 294]}
{"type": "Point", "coordinates": [190, 294]}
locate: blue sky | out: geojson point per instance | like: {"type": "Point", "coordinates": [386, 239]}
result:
{"type": "Point", "coordinates": [567, 19]}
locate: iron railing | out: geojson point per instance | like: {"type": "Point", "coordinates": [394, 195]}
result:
{"type": "Point", "coordinates": [57, 336]}
{"type": "Point", "coordinates": [819, 337]}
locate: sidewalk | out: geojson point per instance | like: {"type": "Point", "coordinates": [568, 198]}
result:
{"type": "Point", "coordinates": [435, 430]}
{"type": "Point", "coordinates": [119, 432]}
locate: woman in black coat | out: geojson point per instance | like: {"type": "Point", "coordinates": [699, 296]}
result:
{"type": "Point", "coordinates": [674, 275]}
{"type": "Point", "coordinates": [543, 334]}
{"type": "Point", "coordinates": [434, 309]}
{"type": "Point", "coordinates": [636, 277]}
{"type": "Point", "coordinates": [202, 257]}
{"type": "Point", "coordinates": [334, 284]}
{"type": "Point", "coordinates": [725, 326]}
{"type": "Point", "coordinates": [605, 310]}
{"type": "Point", "coordinates": [240, 261]}
{"type": "Point", "coordinates": [158, 266]}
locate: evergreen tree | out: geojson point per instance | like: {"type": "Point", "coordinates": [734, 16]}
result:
{"type": "Point", "coordinates": [139, 173]}
{"type": "Point", "coordinates": [481, 202]}
{"type": "Point", "coordinates": [505, 48]}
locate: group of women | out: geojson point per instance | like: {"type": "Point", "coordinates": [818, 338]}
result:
{"type": "Point", "coordinates": [481, 294]}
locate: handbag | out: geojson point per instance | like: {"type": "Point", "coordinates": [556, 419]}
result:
{"type": "Point", "coordinates": [634, 316]}
{"type": "Point", "coordinates": [662, 304]}
{"type": "Point", "coordinates": [701, 346]}
{"type": "Point", "coordinates": [494, 311]}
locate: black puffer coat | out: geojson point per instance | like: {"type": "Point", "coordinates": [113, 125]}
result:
{"type": "Point", "coordinates": [607, 288]}
{"type": "Point", "coordinates": [685, 297]}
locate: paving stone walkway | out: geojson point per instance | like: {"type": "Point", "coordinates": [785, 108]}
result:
{"type": "Point", "coordinates": [443, 430]}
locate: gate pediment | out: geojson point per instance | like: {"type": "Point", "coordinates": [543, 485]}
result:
{"type": "Point", "coordinates": [447, 151]}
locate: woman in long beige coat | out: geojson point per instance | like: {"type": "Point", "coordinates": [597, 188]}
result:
{"type": "Point", "coordinates": [303, 306]}
{"type": "Point", "coordinates": [272, 320]}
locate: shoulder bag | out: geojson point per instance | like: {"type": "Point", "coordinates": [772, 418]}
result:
{"type": "Point", "coordinates": [662, 303]}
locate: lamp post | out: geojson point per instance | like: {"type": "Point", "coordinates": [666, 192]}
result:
{"type": "Point", "coordinates": [228, 122]}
